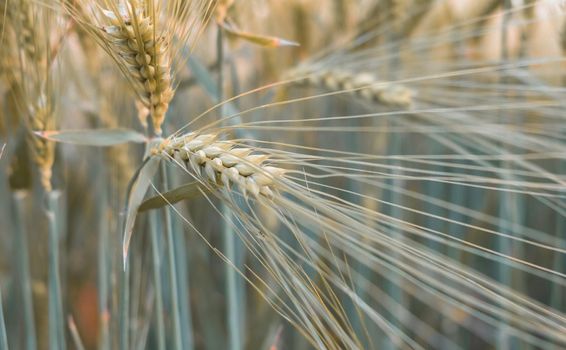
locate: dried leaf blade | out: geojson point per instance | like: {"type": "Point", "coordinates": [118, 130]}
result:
{"type": "Point", "coordinates": [261, 40]}
{"type": "Point", "coordinates": [186, 191]}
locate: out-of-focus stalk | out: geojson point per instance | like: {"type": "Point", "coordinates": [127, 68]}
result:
{"type": "Point", "coordinates": [157, 280]}
{"type": "Point", "coordinates": [56, 317]}
{"type": "Point", "coordinates": [235, 310]}
{"type": "Point", "coordinates": [172, 271]}
{"type": "Point", "coordinates": [3, 335]}
{"type": "Point", "coordinates": [21, 252]}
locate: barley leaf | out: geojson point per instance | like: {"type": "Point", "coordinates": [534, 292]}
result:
{"type": "Point", "coordinates": [186, 191]}
{"type": "Point", "coordinates": [97, 137]}
{"type": "Point", "coordinates": [261, 40]}
{"type": "Point", "coordinates": [136, 193]}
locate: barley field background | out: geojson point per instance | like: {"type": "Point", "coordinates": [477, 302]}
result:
{"type": "Point", "coordinates": [282, 174]}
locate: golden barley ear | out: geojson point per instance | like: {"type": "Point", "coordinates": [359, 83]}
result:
{"type": "Point", "coordinates": [131, 34]}
{"type": "Point", "coordinates": [24, 18]}
{"type": "Point", "coordinates": [222, 164]}
{"type": "Point", "coordinates": [364, 86]}
{"type": "Point", "coordinates": [42, 119]}
{"type": "Point", "coordinates": [147, 39]}
{"type": "Point", "coordinates": [32, 83]}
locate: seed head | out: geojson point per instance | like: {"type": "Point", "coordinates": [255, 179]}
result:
{"type": "Point", "coordinates": [223, 164]}
{"type": "Point", "coordinates": [130, 32]}
{"type": "Point", "coordinates": [363, 85]}
{"type": "Point", "coordinates": [42, 119]}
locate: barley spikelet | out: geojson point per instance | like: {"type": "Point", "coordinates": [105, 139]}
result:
{"type": "Point", "coordinates": [27, 29]}
{"type": "Point", "coordinates": [132, 37]}
{"type": "Point", "coordinates": [33, 85]}
{"type": "Point", "coordinates": [24, 16]}
{"type": "Point", "coordinates": [223, 164]}
{"type": "Point", "coordinates": [362, 85]}
{"type": "Point", "coordinates": [42, 119]}
{"type": "Point", "coordinates": [3, 22]}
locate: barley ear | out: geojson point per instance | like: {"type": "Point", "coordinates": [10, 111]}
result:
{"type": "Point", "coordinates": [223, 164]}
{"type": "Point", "coordinates": [134, 39]}
{"type": "Point", "coordinates": [42, 119]}
{"type": "Point", "coordinates": [364, 86]}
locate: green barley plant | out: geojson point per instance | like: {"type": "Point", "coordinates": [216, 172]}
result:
{"type": "Point", "coordinates": [328, 174]}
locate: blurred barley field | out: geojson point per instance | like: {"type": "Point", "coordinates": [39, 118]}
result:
{"type": "Point", "coordinates": [269, 174]}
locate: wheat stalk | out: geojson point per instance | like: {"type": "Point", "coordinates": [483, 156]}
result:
{"type": "Point", "coordinates": [222, 163]}
{"type": "Point", "coordinates": [362, 85]}
{"type": "Point", "coordinates": [30, 21]}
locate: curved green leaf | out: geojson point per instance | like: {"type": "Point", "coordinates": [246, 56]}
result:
{"type": "Point", "coordinates": [135, 197]}
{"type": "Point", "coordinates": [96, 137]}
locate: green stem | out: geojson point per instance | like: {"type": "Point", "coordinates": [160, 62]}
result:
{"type": "Point", "coordinates": [3, 336]}
{"type": "Point", "coordinates": [103, 270]}
{"type": "Point", "coordinates": [183, 283]}
{"type": "Point", "coordinates": [22, 252]}
{"type": "Point", "coordinates": [56, 317]}
{"type": "Point", "coordinates": [153, 219]}
{"type": "Point", "coordinates": [172, 268]}
{"type": "Point", "coordinates": [235, 311]}
{"type": "Point", "coordinates": [125, 305]}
